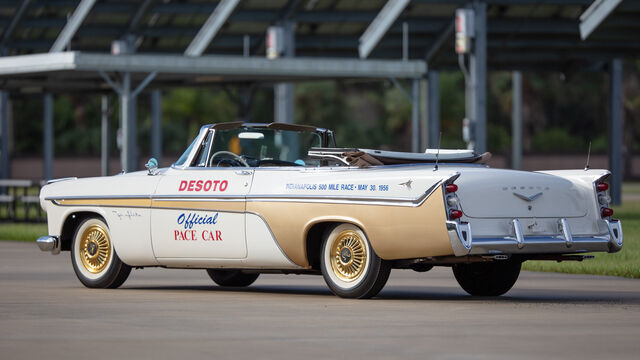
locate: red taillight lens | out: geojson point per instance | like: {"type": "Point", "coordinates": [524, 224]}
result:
{"type": "Point", "coordinates": [602, 187]}
{"type": "Point", "coordinates": [606, 212]}
{"type": "Point", "coordinates": [455, 214]}
{"type": "Point", "coordinates": [451, 188]}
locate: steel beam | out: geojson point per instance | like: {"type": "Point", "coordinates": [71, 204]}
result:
{"type": "Point", "coordinates": [15, 20]}
{"type": "Point", "coordinates": [304, 68]}
{"type": "Point", "coordinates": [415, 115]}
{"type": "Point", "coordinates": [104, 143]}
{"type": "Point", "coordinates": [380, 25]}
{"type": "Point", "coordinates": [433, 109]}
{"type": "Point", "coordinates": [516, 118]}
{"type": "Point", "coordinates": [4, 135]}
{"type": "Point", "coordinates": [595, 15]}
{"type": "Point", "coordinates": [48, 137]}
{"type": "Point", "coordinates": [210, 28]}
{"type": "Point", "coordinates": [72, 26]}
{"type": "Point", "coordinates": [615, 130]}
{"type": "Point", "coordinates": [156, 124]}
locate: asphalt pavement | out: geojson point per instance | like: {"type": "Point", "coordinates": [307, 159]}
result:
{"type": "Point", "coordinates": [46, 313]}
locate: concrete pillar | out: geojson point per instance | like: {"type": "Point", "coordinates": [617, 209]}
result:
{"type": "Point", "coordinates": [415, 115]}
{"type": "Point", "coordinates": [615, 130]}
{"type": "Point", "coordinates": [433, 108]}
{"type": "Point", "coordinates": [156, 124]}
{"type": "Point", "coordinates": [104, 143]}
{"type": "Point", "coordinates": [48, 135]}
{"type": "Point", "coordinates": [284, 93]}
{"type": "Point", "coordinates": [4, 135]}
{"type": "Point", "coordinates": [516, 118]}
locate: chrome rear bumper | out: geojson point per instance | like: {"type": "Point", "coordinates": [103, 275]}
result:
{"type": "Point", "coordinates": [463, 242]}
{"type": "Point", "coordinates": [49, 243]}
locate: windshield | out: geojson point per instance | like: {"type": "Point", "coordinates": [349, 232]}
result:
{"type": "Point", "coordinates": [186, 153]}
{"type": "Point", "coordinates": [262, 147]}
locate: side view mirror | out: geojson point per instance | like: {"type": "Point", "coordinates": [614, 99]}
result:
{"type": "Point", "coordinates": [152, 166]}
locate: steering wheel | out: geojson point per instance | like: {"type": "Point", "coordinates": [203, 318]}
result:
{"type": "Point", "coordinates": [235, 157]}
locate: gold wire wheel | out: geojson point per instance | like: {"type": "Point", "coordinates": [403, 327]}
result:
{"type": "Point", "coordinates": [348, 255]}
{"type": "Point", "coordinates": [95, 248]}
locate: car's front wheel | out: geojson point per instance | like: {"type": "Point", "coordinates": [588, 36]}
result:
{"type": "Point", "coordinates": [232, 278]}
{"type": "Point", "coordinates": [94, 259]}
{"type": "Point", "coordinates": [349, 265]}
{"type": "Point", "coordinates": [488, 278]}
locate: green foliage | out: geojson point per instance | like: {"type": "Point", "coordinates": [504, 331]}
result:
{"type": "Point", "coordinates": [556, 140]}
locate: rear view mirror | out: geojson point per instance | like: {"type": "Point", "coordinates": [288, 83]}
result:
{"type": "Point", "coordinates": [251, 136]}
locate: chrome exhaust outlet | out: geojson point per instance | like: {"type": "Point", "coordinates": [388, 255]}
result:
{"type": "Point", "coordinates": [48, 243]}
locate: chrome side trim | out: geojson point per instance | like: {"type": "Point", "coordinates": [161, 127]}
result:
{"type": "Point", "coordinates": [49, 243]}
{"type": "Point", "coordinates": [93, 197]}
{"type": "Point", "coordinates": [61, 179]}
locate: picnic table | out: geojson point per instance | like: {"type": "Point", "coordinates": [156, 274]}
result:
{"type": "Point", "coordinates": [14, 191]}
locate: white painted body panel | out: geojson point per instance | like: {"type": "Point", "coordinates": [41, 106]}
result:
{"type": "Point", "coordinates": [147, 236]}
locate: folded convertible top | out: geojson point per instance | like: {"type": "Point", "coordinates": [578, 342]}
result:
{"type": "Point", "coordinates": [369, 157]}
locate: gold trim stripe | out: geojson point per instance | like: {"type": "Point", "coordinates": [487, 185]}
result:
{"type": "Point", "coordinates": [116, 202]}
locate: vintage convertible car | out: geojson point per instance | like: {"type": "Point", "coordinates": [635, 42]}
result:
{"type": "Point", "coordinates": [246, 199]}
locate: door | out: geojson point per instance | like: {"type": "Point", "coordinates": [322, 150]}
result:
{"type": "Point", "coordinates": [199, 213]}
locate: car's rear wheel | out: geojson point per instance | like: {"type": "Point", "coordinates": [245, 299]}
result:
{"type": "Point", "coordinates": [349, 265]}
{"type": "Point", "coordinates": [232, 278]}
{"type": "Point", "coordinates": [488, 278]}
{"type": "Point", "coordinates": [94, 259]}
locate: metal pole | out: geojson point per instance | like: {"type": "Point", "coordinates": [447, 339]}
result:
{"type": "Point", "coordinates": [156, 124]}
{"type": "Point", "coordinates": [478, 73]}
{"type": "Point", "coordinates": [104, 146]}
{"type": "Point", "coordinates": [48, 136]}
{"type": "Point", "coordinates": [405, 41]}
{"type": "Point", "coordinates": [284, 93]}
{"type": "Point", "coordinates": [415, 114]}
{"type": "Point", "coordinates": [4, 135]}
{"type": "Point", "coordinates": [516, 117]}
{"type": "Point", "coordinates": [433, 108]}
{"type": "Point", "coordinates": [615, 131]}
{"type": "Point", "coordinates": [127, 114]}
{"type": "Point", "coordinates": [424, 119]}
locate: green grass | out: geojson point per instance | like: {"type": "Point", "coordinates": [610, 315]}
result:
{"type": "Point", "coordinates": [625, 263]}
{"type": "Point", "coordinates": [22, 231]}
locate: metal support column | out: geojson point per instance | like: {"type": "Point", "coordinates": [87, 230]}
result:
{"type": "Point", "coordinates": [433, 108]}
{"type": "Point", "coordinates": [4, 135]}
{"type": "Point", "coordinates": [156, 124]}
{"type": "Point", "coordinates": [284, 93]}
{"type": "Point", "coordinates": [477, 84]}
{"type": "Point", "coordinates": [48, 147]}
{"type": "Point", "coordinates": [415, 115]}
{"type": "Point", "coordinates": [129, 156]}
{"type": "Point", "coordinates": [105, 145]}
{"type": "Point", "coordinates": [615, 130]}
{"type": "Point", "coordinates": [424, 119]}
{"type": "Point", "coordinates": [516, 117]}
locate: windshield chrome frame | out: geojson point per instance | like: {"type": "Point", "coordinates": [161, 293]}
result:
{"type": "Point", "coordinates": [194, 150]}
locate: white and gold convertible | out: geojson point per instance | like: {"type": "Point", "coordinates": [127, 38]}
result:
{"type": "Point", "coordinates": [251, 198]}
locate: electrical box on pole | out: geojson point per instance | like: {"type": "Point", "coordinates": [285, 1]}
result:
{"type": "Point", "coordinates": [464, 30]}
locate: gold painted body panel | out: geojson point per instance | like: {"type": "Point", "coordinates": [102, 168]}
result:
{"type": "Point", "coordinates": [395, 232]}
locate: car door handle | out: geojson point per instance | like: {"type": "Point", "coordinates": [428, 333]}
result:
{"type": "Point", "coordinates": [244, 172]}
